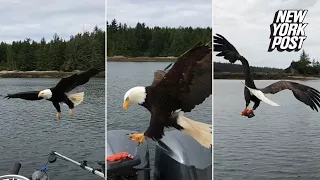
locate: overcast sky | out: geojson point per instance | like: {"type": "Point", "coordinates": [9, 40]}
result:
{"type": "Point", "coordinates": [173, 13]}
{"type": "Point", "coordinates": [246, 24]}
{"type": "Point", "coordinates": [20, 19]}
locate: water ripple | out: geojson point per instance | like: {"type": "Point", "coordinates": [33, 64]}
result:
{"type": "Point", "coordinates": [29, 130]}
{"type": "Point", "coordinates": [278, 143]}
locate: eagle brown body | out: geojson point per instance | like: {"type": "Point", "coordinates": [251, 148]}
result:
{"type": "Point", "coordinates": [176, 91]}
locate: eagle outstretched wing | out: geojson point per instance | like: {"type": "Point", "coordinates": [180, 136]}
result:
{"type": "Point", "coordinates": [190, 78]}
{"type": "Point", "coordinates": [69, 83]}
{"type": "Point", "coordinates": [303, 93]}
{"type": "Point", "coordinates": [28, 95]}
{"type": "Point", "coordinates": [225, 48]}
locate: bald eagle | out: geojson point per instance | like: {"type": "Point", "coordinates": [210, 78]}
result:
{"type": "Point", "coordinates": [303, 93]}
{"type": "Point", "coordinates": [187, 84]}
{"type": "Point", "coordinates": [58, 94]}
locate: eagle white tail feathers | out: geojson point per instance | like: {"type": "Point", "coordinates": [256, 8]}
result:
{"type": "Point", "coordinates": [199, 131]}
{"type": "Point", "coordinates": [260, 95]}
{"type": "Point", "coordinates": [76, 98]}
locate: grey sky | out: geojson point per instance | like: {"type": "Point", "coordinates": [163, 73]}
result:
{"type": "Point", "coordinates": [35, 19]}
{"type": "Point", "coordinates": [246, 24]}
{"type": "Point", "coordinates": [173, 13]}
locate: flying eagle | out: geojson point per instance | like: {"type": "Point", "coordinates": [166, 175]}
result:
{"type": "Point", "coordinates": [303, 93]}
{"type": "Point", "coordinates": [187, 84]}
{"type": "Point", "coordinates": [58, 94]}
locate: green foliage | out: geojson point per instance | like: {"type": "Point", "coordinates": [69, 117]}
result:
{"type": "Point", "coordinates": [152, 42]}
{"type": "Point", "coordinates": [78, 53]}
{"type": "Point", "coordinates": [304, 66]}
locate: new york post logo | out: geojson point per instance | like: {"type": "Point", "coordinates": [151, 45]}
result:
{"type": "Point", "coordinates": [287, 32]}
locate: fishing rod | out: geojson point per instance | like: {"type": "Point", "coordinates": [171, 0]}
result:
{"type": "Point", "coordinates": [41, 174]}
{"type": "Point", "coordinates": [53, 156]}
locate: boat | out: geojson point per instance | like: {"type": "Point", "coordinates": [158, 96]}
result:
{"type": "Point", "coordinates": [177, 156]}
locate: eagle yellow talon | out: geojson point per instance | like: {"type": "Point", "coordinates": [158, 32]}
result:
{"type": "Point", "coordinates": [138, 138]}
{"type": "Point", "coordinates": [58, 115]}
{"type": "Point", "coordinates": [70, 112]}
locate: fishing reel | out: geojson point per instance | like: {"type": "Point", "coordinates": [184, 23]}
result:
{"type": "Point", "coordinates": [40, 174]}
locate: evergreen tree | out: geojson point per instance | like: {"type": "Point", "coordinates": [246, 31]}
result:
{"type": "Point", "coordinates": [142, 40]}
{"type": "Point", "coordinates": [304, 58]}
{"type": "Point", "coordinates": [78, 53]}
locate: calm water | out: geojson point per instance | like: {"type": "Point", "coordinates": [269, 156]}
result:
{"type": "Point", "coordinates": [29, 130]}
{"type": "Point", "coordinates": [125, 75]}
{"type": "Point", "coordinates": [278, 143]}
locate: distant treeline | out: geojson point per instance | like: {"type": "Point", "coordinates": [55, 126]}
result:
{"type": "Point", "coordinates": [80, 52]}
{"type": "Point", "coordinates": [236, 68]}
{"type": "Point", "coordinates": [142, 40]}
{"type": "Point", "coordinates": [304, 66]}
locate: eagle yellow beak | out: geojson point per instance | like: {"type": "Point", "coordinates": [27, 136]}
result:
{"type": "Point", "coordinates": [126, 104]}
{"type": "Point", "coordinates": [40, 95]}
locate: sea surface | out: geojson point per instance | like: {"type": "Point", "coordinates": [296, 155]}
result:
{"type": "Point", "coordinates": [29, 130]}
{"type": "Point", "coordinates": [124, 75]}
{"type": "Point", "coordinates": [278, 143]}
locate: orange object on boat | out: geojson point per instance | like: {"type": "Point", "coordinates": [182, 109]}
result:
{"type": "Point", "coordinates": [119, 156]}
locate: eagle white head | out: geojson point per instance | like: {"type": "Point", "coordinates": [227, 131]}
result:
{"type": "Point", "coordinates": [134, 95]}
{"type": "Point", "coordinates": [45, 94]}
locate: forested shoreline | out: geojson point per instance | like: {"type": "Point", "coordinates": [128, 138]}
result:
{"type": "Point", "coordinates": [303, 68]}
{"type": "Point", "coordinates": [145, 41]}
{"type": "Point", "coordinates": [79, 52]}
{"type": "Point", "coordinates": [237, 68]}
